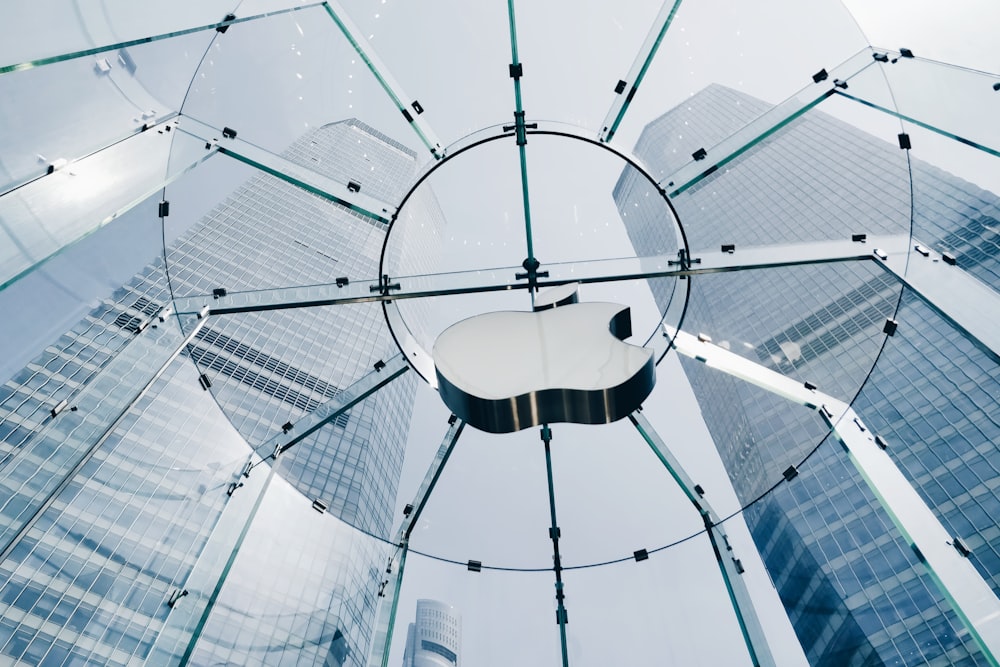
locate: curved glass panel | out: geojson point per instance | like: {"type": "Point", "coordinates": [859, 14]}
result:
{"type": "Point", "coordinates": [55, 29]}
{"type": "Point", "coordinates": [129, 529]}
{"type": "Point", "coordinates": [55, 296]}
{"type": "Point", "coordinates": [746, 49]}
{"type": "Point", "coordinates": [274, 79]}
{"type": "Point", "coordinates": [464, 86]}
{"type": "Point", "coordinates": [66, 97]}
{"type": "Point", "coordinates": [74, 201]}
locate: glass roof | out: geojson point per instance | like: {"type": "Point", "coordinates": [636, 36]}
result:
{"type": "Point", "coordinates": [671, 157]}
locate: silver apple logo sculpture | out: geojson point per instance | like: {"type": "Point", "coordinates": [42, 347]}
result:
{"type": "Point", "coordinates": [564, 362]}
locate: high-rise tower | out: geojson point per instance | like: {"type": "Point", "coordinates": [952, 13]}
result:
{"type": "Point", "coordinates": [162, 536]}
{"type": "Point", "coordinates": [434, 639]}
{"type": "Point", "coordinates": [854, 590]}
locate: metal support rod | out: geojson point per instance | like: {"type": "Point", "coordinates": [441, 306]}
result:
{"type": "Point", "coordinates": [388, 613]}
{"type": "Point", "coordinates": [325, 413]}
{"type": "Point", "coordinates": [739, 596]}
{"type": "Point", "coordinates": [530, 263]}
{"type": "Point", "coordinates": [561, 616]}
{"type": "Point", "coordinates": [432, 477]}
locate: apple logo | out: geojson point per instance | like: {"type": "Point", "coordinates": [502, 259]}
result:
{"type": "Point", "coordinates": [564, 362]}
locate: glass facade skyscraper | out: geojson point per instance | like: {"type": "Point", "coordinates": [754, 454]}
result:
{"type": "Point", "coordinates": [220, 297]}
{"type": "Point", "coordinates": [855, 591]}
{"type": "Point", "coordinates": [167, 540]}
{"type": "Point", "coordinates": [434, 639]}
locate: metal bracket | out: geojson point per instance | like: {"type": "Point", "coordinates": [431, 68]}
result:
{"type": "Point", "coordinates": [683, 260]}
{"type": "Point", "coordinates": [521, 127]}
{"type": "Point", "coordinates": [532, 274]}
{"type": "Point", "coordinates": [384, 286]}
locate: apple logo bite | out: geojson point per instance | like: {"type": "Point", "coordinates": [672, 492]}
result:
{"type": "Point", "coordinates": [565, 362]}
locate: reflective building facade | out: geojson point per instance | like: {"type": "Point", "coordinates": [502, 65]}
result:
{"type": "Point", "coordinates": [151, 543]}
{"type": "Point", "coordinates": [208, 356]}
{"type": "Point", "coordinates": [854, 589]}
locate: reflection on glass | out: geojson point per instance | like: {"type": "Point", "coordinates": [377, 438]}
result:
{"type": "Point", "coordinates": [75, 200]}
{"type": "Point", "coordinates": [143, 539]}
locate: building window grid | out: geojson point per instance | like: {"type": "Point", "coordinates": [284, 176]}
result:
{"type": "Point", "coordinates": [91, 523]}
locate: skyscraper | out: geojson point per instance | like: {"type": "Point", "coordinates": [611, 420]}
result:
{"type": "Point", "coordinates": [160, 535]}
{"type": "Point", "coordinates": [854, 590]}
{"type": "Point", "coordinates": [434, 639]}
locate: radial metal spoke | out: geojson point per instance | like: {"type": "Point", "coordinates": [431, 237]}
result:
{"type": "Point", "coordinates": [562, 617]}
{"type": "Point", "coordinates": [627, 87]}
{"type": "Point", "coordinates": [960, 583]}
{"type": "Point", "coordinates": [384, 373]}
{"type": "Point", "coordinates": [520, 132]}
{"type": "Point", "coordinates": [220, 26]}
{"type": "Point", "coordinates": [409, 107]}
{"type": "Point", "coordinates": [345, 194]}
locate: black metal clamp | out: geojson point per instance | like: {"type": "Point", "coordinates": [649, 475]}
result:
{"type": "Point", "coordinates": [383, 286]}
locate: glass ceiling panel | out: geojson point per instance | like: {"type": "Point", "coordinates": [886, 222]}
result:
{"type": "Point", "coordinates": [326, 124]}
{"type": "Point", "coordinates": [43, 217]}
{"type": "Point", "coordinates": [957, 215]}
{"type": "Point", "coordinates": [63, 100]}
{"type": "Point", "coordinates": [461, 76]}
{"type": "Point", "coordinates": [745, 48]}
{"type": "Point", "coordinates": [52, 30]}
{"type": "Point", "coordinates": [274, 79]}
{"type": "Point", "coordinates": [830, 342]}
{"type": "Point", "coordinates": [833, 179]}
{"type": "Point", "coordinates": [966, 114]}
{"type": "Point", "coordinates": [50, 112]}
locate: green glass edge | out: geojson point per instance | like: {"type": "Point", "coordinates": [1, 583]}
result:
{"type": "Point", "coordinates": [144, 40]}
{"type": "Point", "coordinates": [117, 212]}
{"type": "Point", "coordinates": [642, 71]}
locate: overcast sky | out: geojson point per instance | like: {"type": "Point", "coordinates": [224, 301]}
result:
{"type": "Point", "coordinates": [613, 497]}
